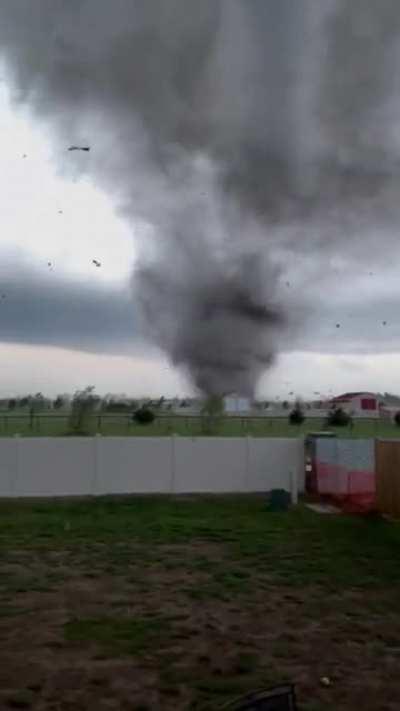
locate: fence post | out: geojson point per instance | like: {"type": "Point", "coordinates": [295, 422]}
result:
{"type": "Point", "coordinates": [247, 464]}
{"type": "Point", "coordinates": [17, 466]}
{"type": "Point", "coordinates": [294, 489]}
{"type": "Point", "coordinates": [96, 441]}
{"type": "Point", "coordinates": [173, 463]}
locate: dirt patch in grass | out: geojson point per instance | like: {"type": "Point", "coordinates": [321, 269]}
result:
{"type": "Point", "coordinates": [227, 600]}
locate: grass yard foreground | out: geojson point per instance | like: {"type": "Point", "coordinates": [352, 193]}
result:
{"type": "Point", "coordinates": [185, 603]}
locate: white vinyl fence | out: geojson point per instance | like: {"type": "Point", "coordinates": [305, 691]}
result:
{"type": "Point", "coordinates": [145, 465]}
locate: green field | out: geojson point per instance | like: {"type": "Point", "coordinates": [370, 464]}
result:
{"type": "Point", "coordinates": [162, 603]}
{"type": "Point", "coordinates": [122, 425]}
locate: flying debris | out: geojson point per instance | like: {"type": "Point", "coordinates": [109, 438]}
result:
{"type": "Point", "coordinates": [79, 148]}
{"type": "Point", "coordinates": [384, 323]}
{"type": "Point", "coordinates": [96, 263]}
{"type": "Point", "coordinates": [24, 156]}
{"type": "Point", "coordinates": [338, 325]}
{"type": "Point", "coordinates": [60, 212]}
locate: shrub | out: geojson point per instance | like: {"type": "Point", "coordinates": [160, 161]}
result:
{"type": "Point", "coordinates": [338, 418]}
{"type": "Point", "coordinates": [144, 416]}
{"type": "Point", "coordinates": [297, 416]}
{"type": "Point", "coordinates": [59, 402]}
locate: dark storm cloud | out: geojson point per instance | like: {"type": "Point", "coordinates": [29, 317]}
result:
{"type": "Point", "coordinates": [59, 312]}
{"type": "Point", "coordinates": [238, 132]}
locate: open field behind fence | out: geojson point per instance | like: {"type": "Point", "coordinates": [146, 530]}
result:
{"type": "Point", "coordinates": [56, 425]}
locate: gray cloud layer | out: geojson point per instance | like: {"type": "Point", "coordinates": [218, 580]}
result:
{"type": "Point", "coordinates": [56, 311]}
{"type": "Point", "coordinates": [61, 312]}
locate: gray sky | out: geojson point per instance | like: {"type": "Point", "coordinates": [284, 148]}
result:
{"type": "Point", "coordinates": [65, 323]}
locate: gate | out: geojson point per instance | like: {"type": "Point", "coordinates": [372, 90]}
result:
{"type": "Point", "coordinates": [345, 471]}
{"type": "Point", "coordinates": [387, 456]}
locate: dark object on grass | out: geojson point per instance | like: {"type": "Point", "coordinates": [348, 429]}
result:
{"type": "Point", "coordinates": [296, 416]}
{"type": "Point", "coordinates": [280, 699]}
{"type": "Point", "coordinates": [79, 148]}
{"type": "Point", "coordinates": [338, 418]}
{"type": "Point", "coordinates": [144, 416]}
{"type": "Point", "coordinates": [278, 500]}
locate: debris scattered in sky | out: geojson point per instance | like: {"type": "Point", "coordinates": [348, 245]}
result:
{"type": "Point", "coordinates": [79, 148]}
{"type": "Point", "coordinates": [338, 325]}
{"type": "Point", "coordinates": [384, 323]}
{"type": "Point", "coordinates": [96, 263]}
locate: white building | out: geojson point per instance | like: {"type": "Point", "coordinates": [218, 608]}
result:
{"type": "Point", "coordinates": [360, 404]}
{"type": "Point", "coordinates": [236, 405]}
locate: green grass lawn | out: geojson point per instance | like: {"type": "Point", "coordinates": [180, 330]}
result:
{"type": "Point", "coordinates": [57, 425]}
{"type": "Point", "coordinates": [185, 603]}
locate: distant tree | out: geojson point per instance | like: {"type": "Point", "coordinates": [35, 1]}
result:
{"type": "Point", "coordinates": [38, 402]}
{"type": "Point", "coordinates": [144, 415]}
{"type": "Point", "coordinates": [12, 403]}
{"type": "Point", "coordinates": [212, 412]}
{"type": "Point", "coordinates": [59, 402]}
{"type": "Point", "coordinates": [83, 405]}
{"type": "Point", "coordinates": [297, 416]}
{"type": "Point", "coordinates": [24, 402]}
{"type": "Point", "coordinates": [337, 417]}
{"type": "Point", "coordinates": [397, 418]}
{"type": "Point", "coordinates": [285, 405]}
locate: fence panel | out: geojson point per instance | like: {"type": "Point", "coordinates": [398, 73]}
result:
{"type": "Point", "coordinates": [210, 464]}
{"type": "Point", "coordinates": [54, 466]}
{"type": "Point", "coordinates": [73, 466]}
{"type": "Point", "coordinates": [271, 462]}
{"type": "Point", "coordinates": [8, 455]}
{"type": "Point", "coordinates": [388, 477]}
{"type": "Point", "coordinates": [137, 465]}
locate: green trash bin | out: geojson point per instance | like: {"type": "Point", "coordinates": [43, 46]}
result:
{"type": "Point", "coordinates": [278, 500]}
